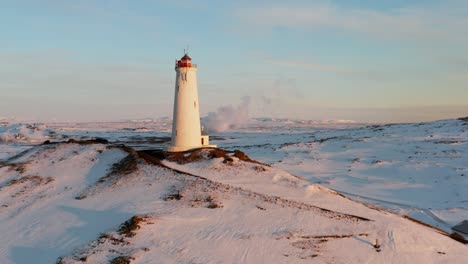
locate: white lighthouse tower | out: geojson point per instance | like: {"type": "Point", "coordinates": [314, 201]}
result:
{"type": "Point", "coordinates": [186, 130]}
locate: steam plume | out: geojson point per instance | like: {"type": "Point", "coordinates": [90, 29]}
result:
{"type": "Point", "coordinates": [227, 117]}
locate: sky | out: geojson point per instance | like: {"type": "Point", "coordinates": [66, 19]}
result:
{"type": "Point", "coordinates": [368, 60]}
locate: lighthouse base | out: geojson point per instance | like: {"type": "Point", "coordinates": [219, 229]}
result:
{"type": "Point", "coordinates": [185, 148]}
{"type": "Point", "coordinates": [204, 140]}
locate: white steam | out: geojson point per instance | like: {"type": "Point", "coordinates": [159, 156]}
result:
{"type": "Point", "coordinates": [227, 117]}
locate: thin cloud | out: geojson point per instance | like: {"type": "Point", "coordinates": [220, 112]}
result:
{"type": "Point", "coordinates": [102, 11]}
{"type": "Point", "coordinates": [64, 77]}
{"type": "Point", "coordinates": [309, 66]}
{"type": "Point", "coordinates": [405, 23]}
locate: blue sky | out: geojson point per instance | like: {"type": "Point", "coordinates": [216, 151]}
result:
{"type": "Point", "coordinates": [389, 61]}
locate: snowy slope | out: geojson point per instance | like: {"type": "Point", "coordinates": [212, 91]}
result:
{"type": "Point", "coordinates": [70, 202]}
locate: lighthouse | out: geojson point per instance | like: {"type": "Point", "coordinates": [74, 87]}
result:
{"type": "Point", "coordinates": [186, 129]}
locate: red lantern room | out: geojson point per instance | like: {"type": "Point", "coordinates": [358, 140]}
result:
{"type": "Point", "coordinates": [185, 61]}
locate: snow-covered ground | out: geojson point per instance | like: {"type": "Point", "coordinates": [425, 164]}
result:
{"type": "Point", "coordinates": [419, 170]}
{"type": "Point", "coordinates": [70, 201]}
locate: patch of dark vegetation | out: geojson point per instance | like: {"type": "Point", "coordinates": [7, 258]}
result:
{"type": "Point", "coordinates": [115, 245]}
{"type": "Point", "coordinates": [81, 197]}
{"type": "Point", "coordinates": [311, 245]}
{"type": "Point", "coordinates": [273, 147]}
{"type": "Point", "coordinates": [207, 202]}
{"type": "Point", "coordinates": [88, 141]}
{"type": "Point", "coordinates": [259, 168]}
{"type": "Point", "coordinates": [321, 238]}
{"type": "Point", "coordinates": [117, 171]}
{"type": "Point", "coordinates": [49, 145]}
{"type": "Point", "coordinates": [35, 180]}
{"type": "Point", "coordinates": [130, 129]}
{"type": "Point", "coordinates": [335, 236]}
{"type": "Point", "coordinates": [260, 208]}
{"type": "Point", "coordinates": [217, 138]}
{"type": "Point", "coordinates": [121, 260]}
{"type": "Point", "coordinates": [105, 237]}
{"type": "Point", "coordinates": [228, 160]}
{"type": "Point", "coordinates": [463, 119]}
{"type": "Point", "coordinates": [20, 167]}
{"type": "Point", "coordinates": [284, 145]}
{"type": "Point", "coordinates": [197, 155]}
{"type": "Point", "coordinates": [155, 156]}
{"type": "Point", "coordinates": [376, 127]}
{"type": "Point", "coordinates": [128, 228]}
{"type": "Point", "coordinates": [217, 153]}
{"type": "Point", "coordinates": [173, 195]}
{"type": "Point", "coordinates": [213, 206]}
{"type": "Point", "coordinates": [447, 142]}
{"type": "Point", "coordinates": [209, 199]}
{"type": "Point", "coordinates": [73, 259]}
{"type": "Point", "coordinates": [242, 156]}
{"type": "Point", "coordinates": [125, 166]}
{"type": "Point", "coordinates": [305, 244]}
{"type": "Point", "coordinates": [356, 160]}
{"type": "Point", "coordinates": [325, 139]}
{"type": "Point", "coordinates": [458, 237]}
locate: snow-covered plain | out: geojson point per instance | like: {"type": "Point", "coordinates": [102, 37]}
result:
{"type": "Point", "coordinates": [69, 202]}
{"type": "Point", "coordinates": [419, 170]}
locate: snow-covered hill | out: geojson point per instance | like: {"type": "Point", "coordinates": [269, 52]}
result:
{"type": "Point", "coordinates": [97, 203]}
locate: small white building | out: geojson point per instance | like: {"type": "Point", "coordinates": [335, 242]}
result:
{"type": "Point", "coordinates": [186, 129]}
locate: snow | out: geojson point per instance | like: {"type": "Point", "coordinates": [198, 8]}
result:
{"type": "Point", "coordinates": [416, 169]}
{"type": "Point", "coordinates": [24, 132]}
{"type": "Point", "coordinates": [57, 200]}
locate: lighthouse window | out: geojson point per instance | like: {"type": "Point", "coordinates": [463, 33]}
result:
{"type": "Point", "coordinates": [195, 104]}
